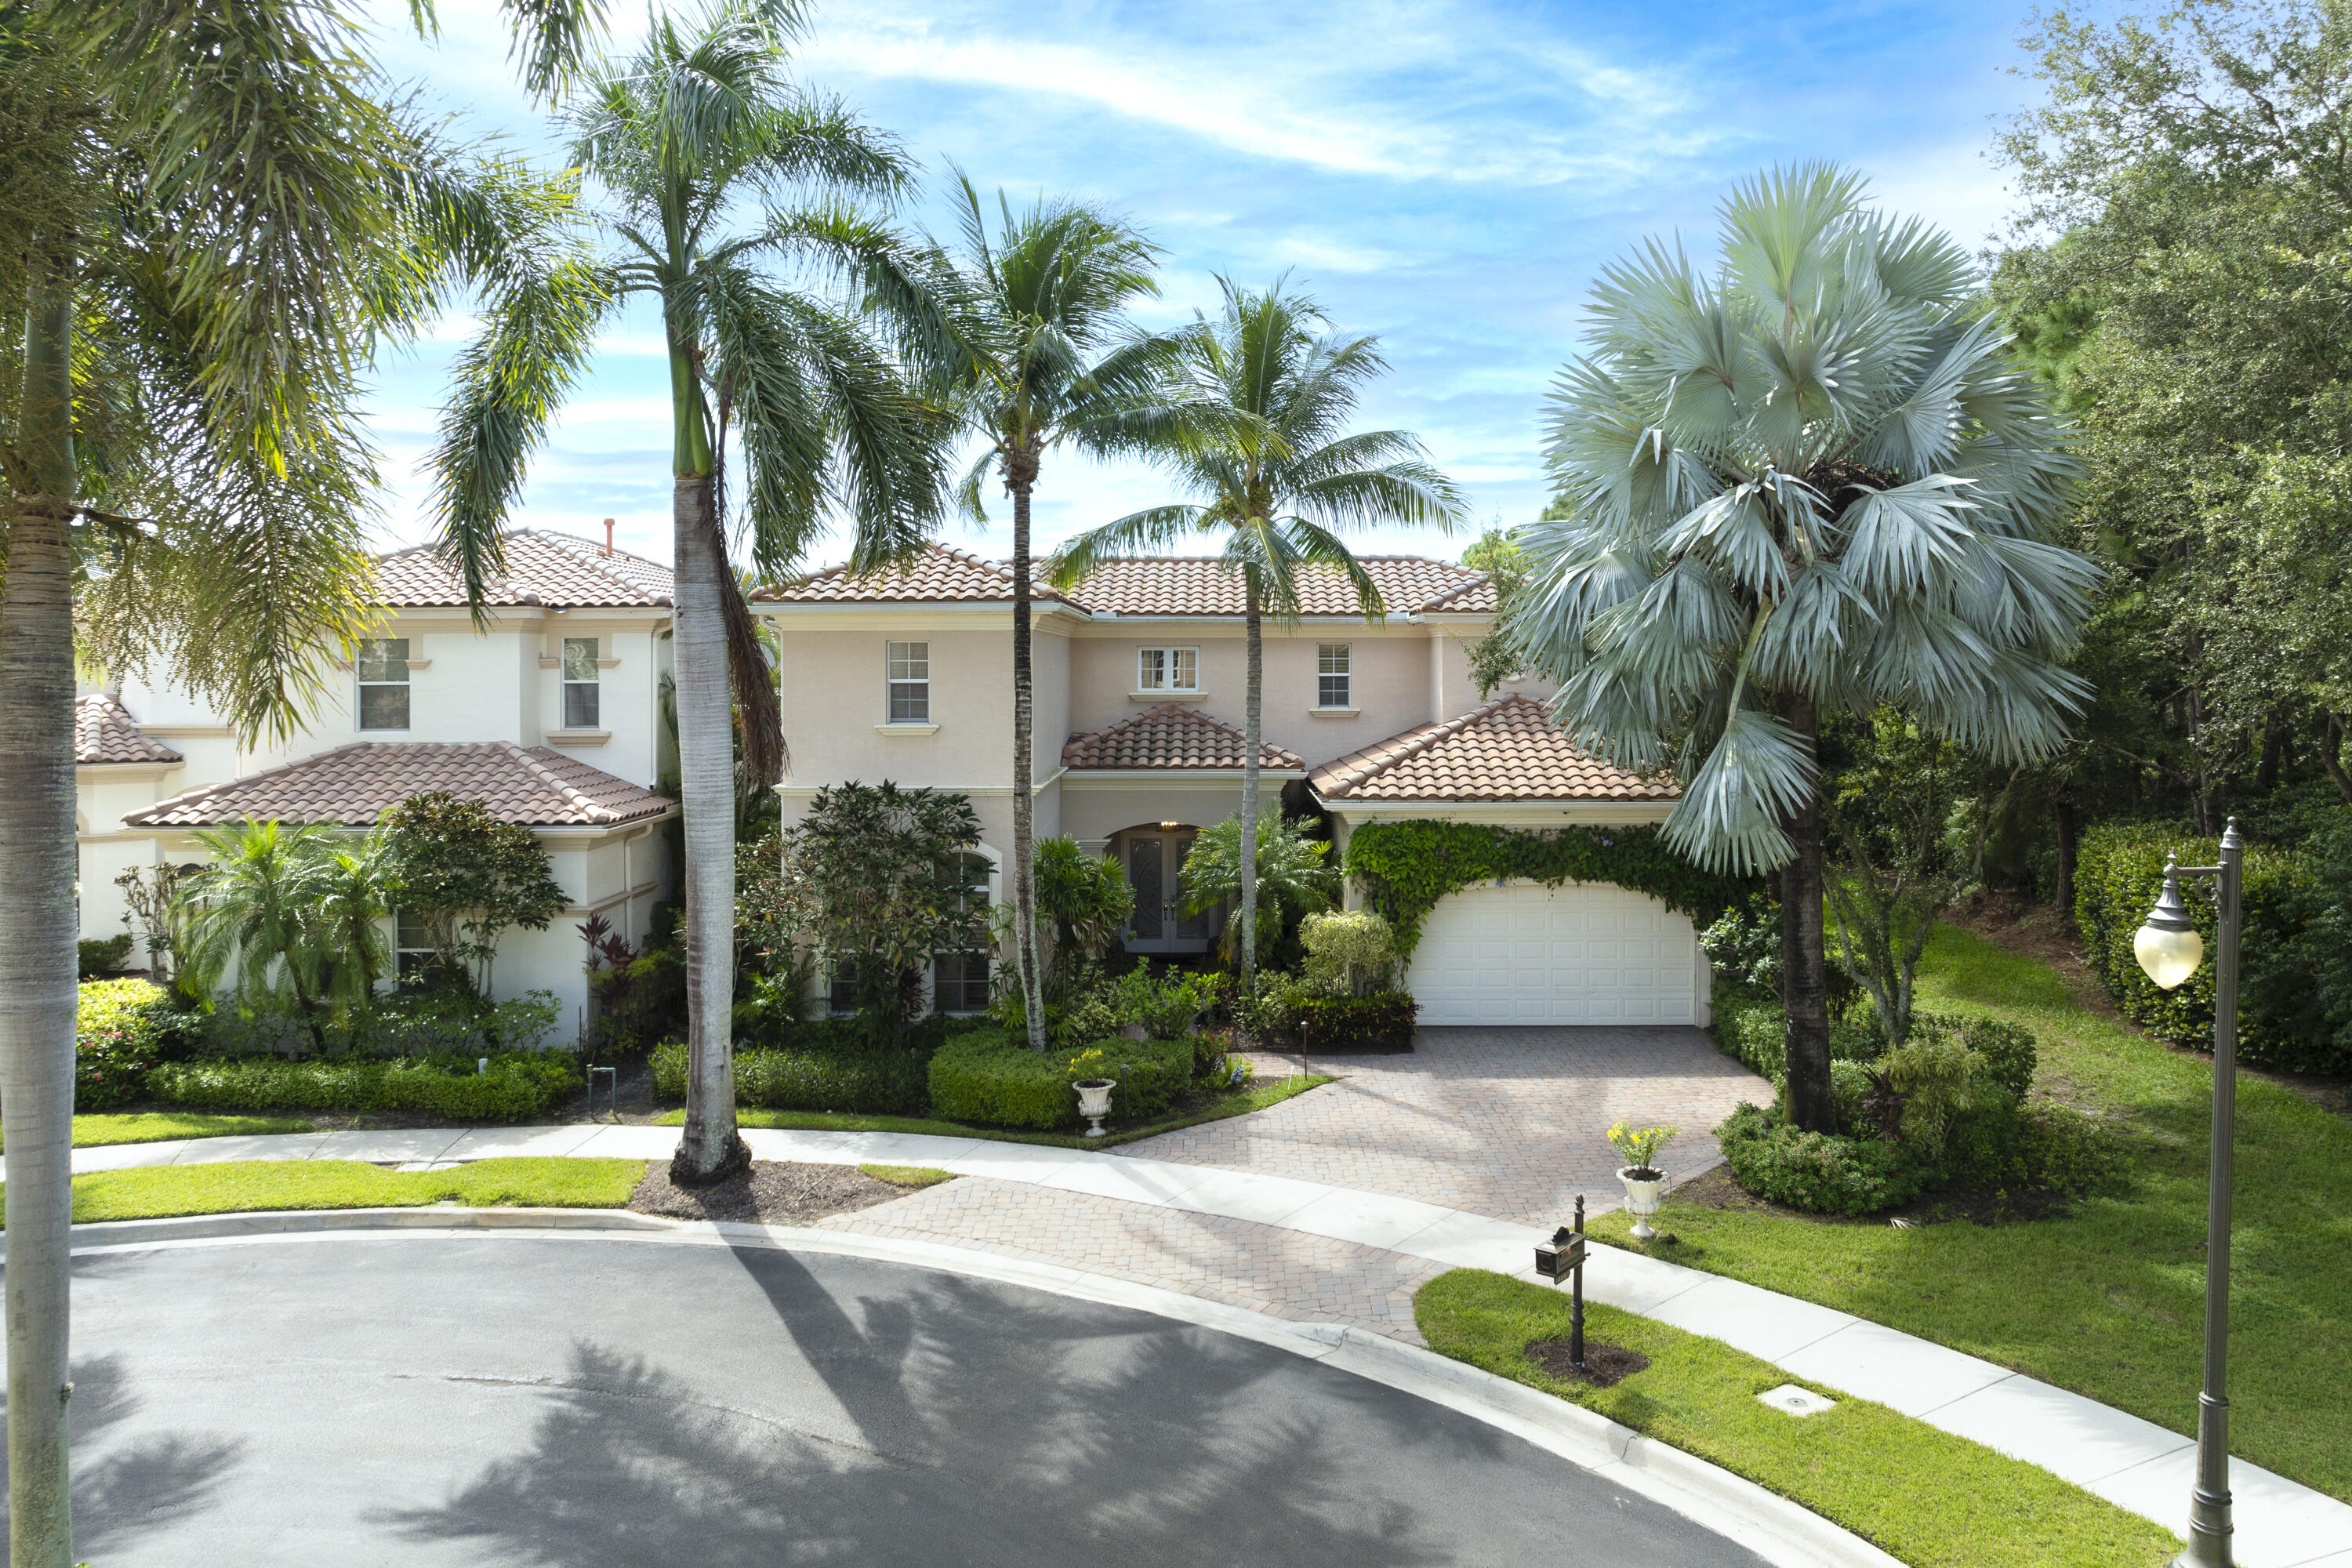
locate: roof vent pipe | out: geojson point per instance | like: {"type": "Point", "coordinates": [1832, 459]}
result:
{"type": "Point", "coordinates": [608, 536]}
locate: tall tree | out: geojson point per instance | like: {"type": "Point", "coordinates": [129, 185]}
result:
{"type": "Point", "coordinates": [1024, 334]}
{"type": "Point", "coordinates": [2180, 267]}
{"type": "Point", "coordinates": [1810, 479]}
{"type": "Point", "coordinates": [214, 220]}
{"type": "Point", "coordinates": [1278, 490]}
{"type": "Point", "coordinates": [700, 127]}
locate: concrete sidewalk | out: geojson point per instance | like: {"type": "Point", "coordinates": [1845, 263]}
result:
{"type": "Point", "coordinates": [2132, 1463]}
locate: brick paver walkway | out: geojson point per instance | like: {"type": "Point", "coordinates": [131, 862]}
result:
{"type": "Point", "coordinates": [1305, 1278]}
{"type": "Point", "coordinates": [1509, 1123]}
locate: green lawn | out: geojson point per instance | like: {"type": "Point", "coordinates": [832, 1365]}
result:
{"type": "Point", "coordinates": [1928, 1498]}
{"type": "Point", "coordinates": [2108, 1300]}
{"type": "Point", "coordinates": [1256, 1097]}
{"type": "Point", "coordinates": [239, 1186]}
{"type": "Point", "coordinates": [156, 1126]}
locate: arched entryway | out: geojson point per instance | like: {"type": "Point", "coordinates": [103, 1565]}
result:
{"type": "Point", "coordinates": [1152, 856]}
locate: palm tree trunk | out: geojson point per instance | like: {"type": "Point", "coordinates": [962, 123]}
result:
{"type": "Point", "coordinates": [1250, 729]}
{"type": "Point", "coordinates": [711, 1149]}
{"type": "Point", "coordinates": [1804, 969]}
{"type": "Point", "coordinates": [37, 977]}
{"type": "Point", "coordinates": [1020, 473]}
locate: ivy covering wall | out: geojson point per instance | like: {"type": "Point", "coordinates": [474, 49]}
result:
{"type": "Point", "coordinates": [1404, 867]}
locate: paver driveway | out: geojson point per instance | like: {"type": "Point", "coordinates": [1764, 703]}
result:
{"type": "Point", "coordinates": [1511, 1124]}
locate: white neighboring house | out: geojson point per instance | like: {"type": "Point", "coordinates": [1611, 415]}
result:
{"type": "Point", "coordinates": [551, 718]}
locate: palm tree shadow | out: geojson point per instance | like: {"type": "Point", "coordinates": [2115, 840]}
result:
{"type": "Point", "coordinates": [142, 1486]}
{"type": "Point", "coordinates": [971, 1424]}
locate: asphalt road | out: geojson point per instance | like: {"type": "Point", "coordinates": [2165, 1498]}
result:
{"type": "Point", "coordinates": [596, 1403]}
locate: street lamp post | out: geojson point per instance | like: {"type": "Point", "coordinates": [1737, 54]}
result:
{"type": "Point", "coordinates": [2170, 951]}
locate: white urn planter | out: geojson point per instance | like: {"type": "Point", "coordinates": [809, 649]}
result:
{"type": "Point", "coordinates": [1642, 1196]}
{"type": "Point", "coordinates": [1093, 1102]}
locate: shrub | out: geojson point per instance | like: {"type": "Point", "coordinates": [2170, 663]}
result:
{"type": "Point", "coordinates": [103, 954]}
{"type": "Point", "coordinates": [1934, 1077]}
{"type": "Point", "coordinates": [2002, 1145]}
{"type": "Point", "coordinates": [1336, 1022]}
{"type": "Point", "coordinates": [2284, 1020]}
{"type": "Point", "coordinates": [992, 1077]}
{"type": "Point", "coordinates": [418, 1022]}
{"type": "Point", "coordinates": [1349, 953]}
{"type": "Point", "coordinates": [1824, 1172]}
{"type": "Point", "coordinates": [1754, 1032]}
{"type": "Point", "coordinates": [516, 1085]}
{"type": "Point", "coordinates": [873, 1081]}
{"type": "Point", "coordinates": [122, 1028]}
{"type": "Point", "coordinates": [1166, 1008]}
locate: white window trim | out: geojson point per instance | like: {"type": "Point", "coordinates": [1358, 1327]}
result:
{"type": "Point", "coordinates": [890, 684]}
{"type": "Point", "coordinates": [1168, 662]}
{"type": "Point", "coordinates": [1347, 656]}
{"type": "Point", "coordinates": [407, 683]}
{"type": "Point", "coordinates": [565, 682]}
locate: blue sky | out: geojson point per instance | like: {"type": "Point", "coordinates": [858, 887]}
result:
{"type": "Point", "coordinates": [1449, 176]}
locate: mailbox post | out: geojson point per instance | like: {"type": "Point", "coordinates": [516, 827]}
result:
{"type": "Point", "coordinates": [1563, 1258]}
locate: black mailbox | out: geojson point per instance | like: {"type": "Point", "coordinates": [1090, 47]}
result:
{"type": "Point", "coordinates": [1558, 1259]}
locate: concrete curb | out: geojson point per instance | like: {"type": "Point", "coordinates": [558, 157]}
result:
{"type": "Point", "coordinates": [1780, 1532]}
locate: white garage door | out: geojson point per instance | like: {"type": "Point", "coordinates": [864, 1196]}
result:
{"type": "Point", "coordinates": [1524, 954]}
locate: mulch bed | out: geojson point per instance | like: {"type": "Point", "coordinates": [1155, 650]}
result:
{"type": "Point", "coordinates": [1605, 1365]}
{"type": "Point", "coordinates": [772, 1192]}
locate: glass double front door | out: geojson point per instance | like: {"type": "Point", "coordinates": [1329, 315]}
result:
{"type": "Point", "coordinates": [1153, 862]}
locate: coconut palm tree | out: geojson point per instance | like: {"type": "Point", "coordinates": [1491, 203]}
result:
{"type": "Point", "coordinates": [700, 127]}
{"type": "Point", "coordinates": [1280, 491]}
{"type": "Point", "coordinates": [1806, 481]}
{"type": "Point", "coordinates": [1024, 334]}
{"type": "Point", "coordinates": [213, 222]}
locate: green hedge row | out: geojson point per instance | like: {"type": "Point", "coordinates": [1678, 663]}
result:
{"type": "Point", "coordinates": [876, 1082]}
{"type": "Point", "coordinates": [2290, 964]}
{"type": "Point", "coordinates": [122, 1029]}
{"type": "Point", "coordinates": [517, 1085]}
{"type": "Point", "coordinates": [992, 1077]}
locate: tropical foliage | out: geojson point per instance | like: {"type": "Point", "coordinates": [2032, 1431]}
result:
{"type": "Point", "coordinates": [1807, 481]}
{"type": "Point", "coordinates": [1292, 880]}
{"type": "Point", "coordinates": [468, 878]}
{"type": "Point", "coordinates": [873, 881]}
{"type": "Point", "coordinates": [1086, 901]}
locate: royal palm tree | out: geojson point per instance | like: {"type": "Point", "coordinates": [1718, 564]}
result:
{"type": "Point", "coordinates": [1279, 490]}
{"type": "Point", "coordinates": [213, 222]}
{"type": "Point", "coordinates": [1024, 333]}
{"type": "Point", "coordinates": [702, 126]}
{"type": "Point", "coordinates": [1810, 479]}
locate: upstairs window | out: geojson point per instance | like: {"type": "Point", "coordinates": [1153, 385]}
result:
{"type": "Point", "coordinates": [1332, 676]}
{"type": "Point", "coordinates": [581, 706]}
{"type": "Point", "coordinates": [1168, 669]}
{"type": "Point", "coordinates": [910, 682]}
{"type": "Point", "coordinates": [382, 664]}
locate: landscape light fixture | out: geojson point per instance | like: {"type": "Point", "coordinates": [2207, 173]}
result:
{"type": "Point", "coordinates": [2170, 951]}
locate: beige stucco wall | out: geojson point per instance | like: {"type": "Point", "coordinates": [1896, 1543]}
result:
{"type": "Point", "coordinates": [1093, 810]}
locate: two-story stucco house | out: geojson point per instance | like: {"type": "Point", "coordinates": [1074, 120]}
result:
{"type": "Point", "coordinates": [552, 717]}
{"type": "Point", "coordinates": [1139, 703]}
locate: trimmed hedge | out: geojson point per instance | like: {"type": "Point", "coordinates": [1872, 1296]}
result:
{"type": "Point", "coordinates": [993, 1078]}
{"type": "Point", "coordinates": [878, 1081]}
{"type": "Point", "coordinates": [2283, 1021]}
{"type": "Point", "coordinates": [517, 1085]}
{"type": "Point", "coordinates": [122, 1028]}
{"type": "Point", "coordinates": [1337, 1022]}
{"type": "Point", "coordinates": [1820, 1171]}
